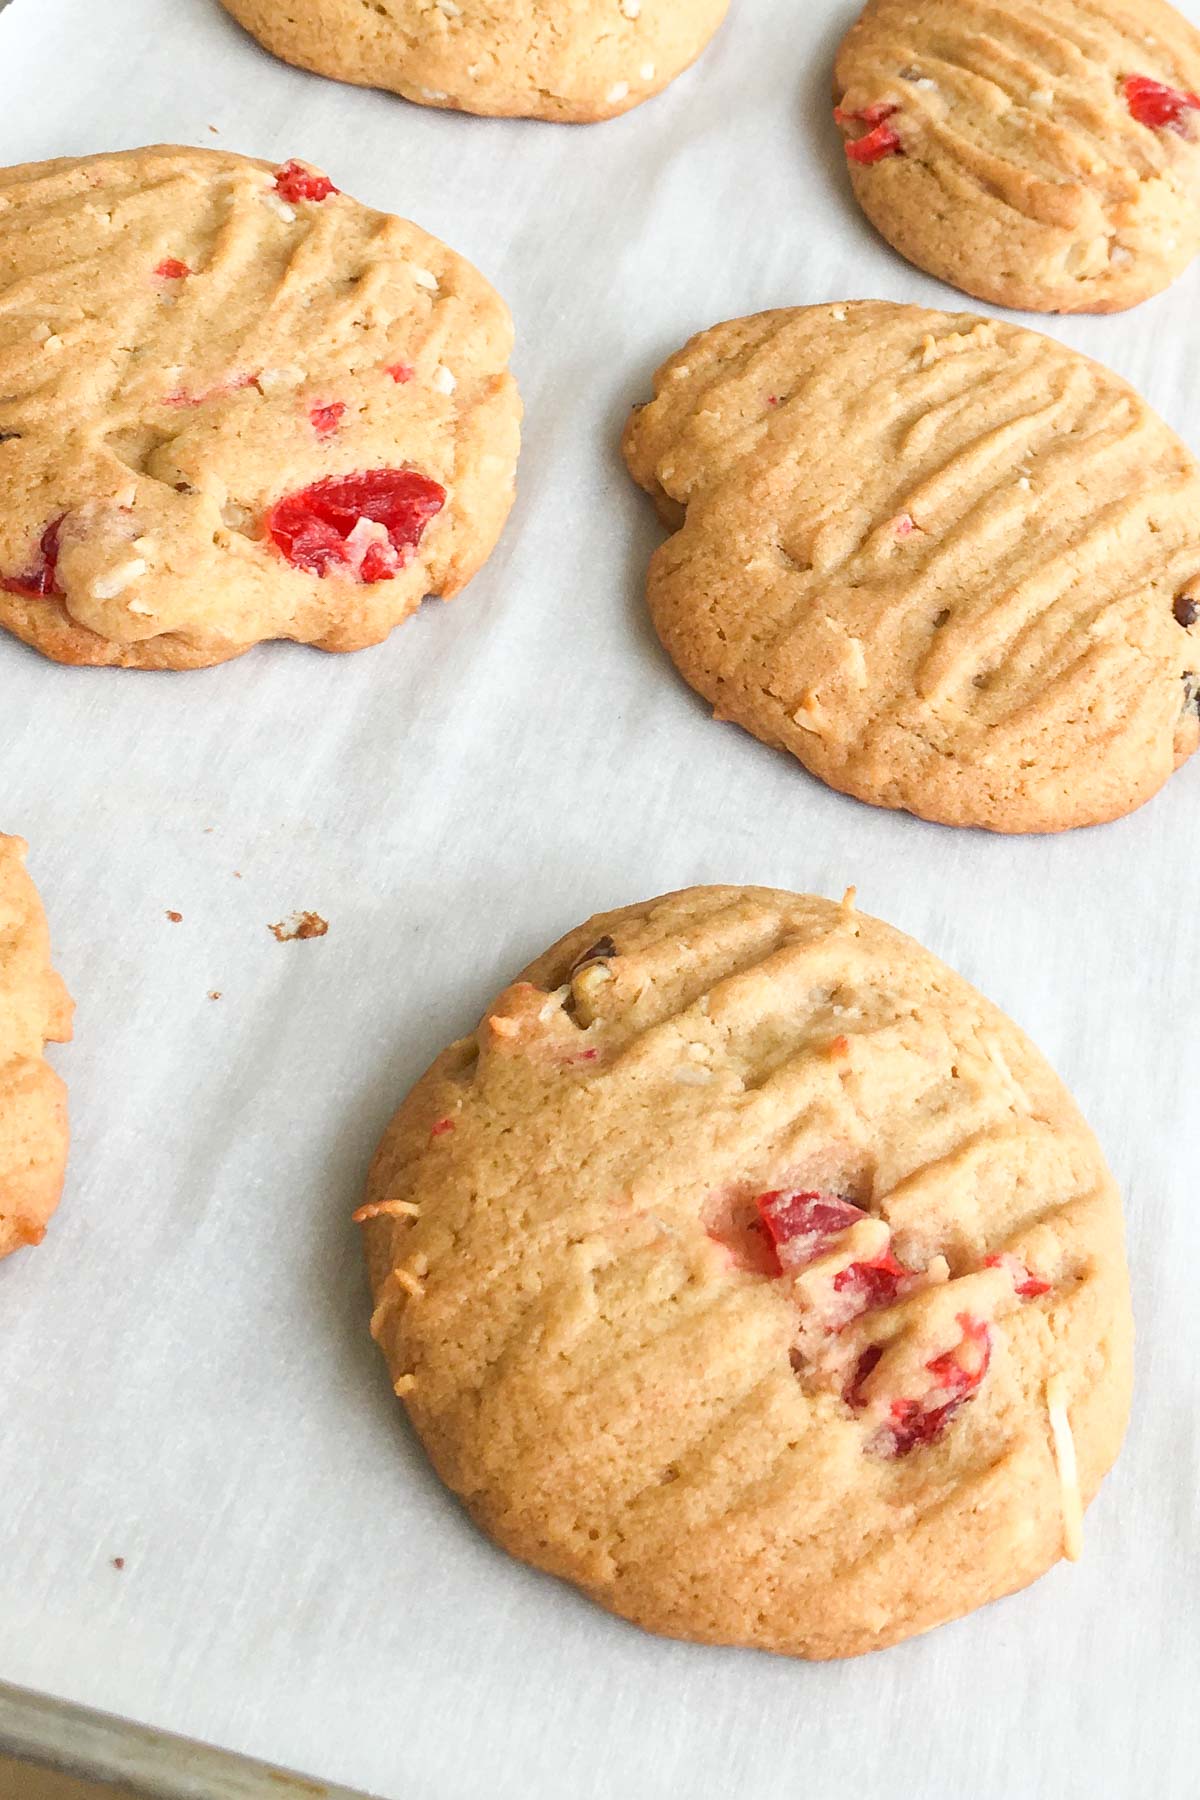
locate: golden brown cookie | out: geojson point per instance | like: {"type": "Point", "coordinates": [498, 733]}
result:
{"type": "Point", "coordinates": [236, 404]}
{"type": "Point", "coordinates": [570, 60]}
{"type": "Point", "coordinates": [34, 1007]}
{"type": "Point", "coordinates": [949, 564]}
{"type": "Point", "coordinates": [750, 1270]}
{"type": "Point", "coordinates": [1037, 153]}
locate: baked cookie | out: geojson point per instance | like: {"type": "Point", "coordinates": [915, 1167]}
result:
{"type": "Point", "coordinates": [1037, 153]}
{"type": "Point", "coordinates": [34, 1007]}
{"type": "Point", "coordinates": [949, 564]}
{"type": "Point", "coordinates": [570, 60]}
{"type": "Point", "coordinates": [749, 1269]}
{"type": "Point", "coordinates": [236, 405]}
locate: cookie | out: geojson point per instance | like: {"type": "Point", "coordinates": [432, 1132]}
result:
{"type": "Point", "coordinates": [750, 1270]}
{"type": "Point", "coordinates": [1043, 154]}
{"type": "Point", "coordinates": [236, 405]}
{"type": "Point", "coordinates": [570, 60]}
{"type": "Point", "coordinates": [950, 565]}
{"type": "Point", "coordinates": [34, 1007]}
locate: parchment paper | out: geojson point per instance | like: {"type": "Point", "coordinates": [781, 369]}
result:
{"type": "Point", "coordinates": [185, 1376]}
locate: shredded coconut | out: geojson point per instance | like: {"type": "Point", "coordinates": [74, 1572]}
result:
{"type": "Point", "coordinates": [1068, 1475]}
{"type": "Point", "coordinates": [107, 587]}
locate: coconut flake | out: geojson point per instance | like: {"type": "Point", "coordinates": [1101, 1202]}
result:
{"type": "Point", "coordinates": [107, 587]}
{"type": "Point", "coordinates": [1068, 1474]}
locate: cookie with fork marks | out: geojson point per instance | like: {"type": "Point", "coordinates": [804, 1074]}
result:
{"type": "Point", "coordinates": [750, 1270]}
{"type": "Point", "coordinates": [949, 564]}
{"type": "Point", "coordinates": [236, 405]}
{"type": "Point", "coordinates": [1036, 153]}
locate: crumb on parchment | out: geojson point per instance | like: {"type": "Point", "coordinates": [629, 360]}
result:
{"type": "Point", "coordinates": [300, 925]}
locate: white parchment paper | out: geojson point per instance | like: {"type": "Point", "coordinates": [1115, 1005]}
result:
{"type": "Point", "coordinates": [185, 1376]}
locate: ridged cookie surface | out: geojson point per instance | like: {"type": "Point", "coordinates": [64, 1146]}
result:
{"type": "Point", "coordinates": [34, 1008]}
{"type": "Point", "coordinates": [571, 60]}
{"type": "Point", "coordinates": [1037, 153]}
{"type": "Point", "coordinates": [949, 564]}
{"type": "Point", "coordinates": [236, 404]}
{"type": "Point", "coordinates": [750, 1270]}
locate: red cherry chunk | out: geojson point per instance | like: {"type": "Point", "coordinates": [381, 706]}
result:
{"type": "Point", "coordinates": [40, 580]}
{"type": "Point", "coordinates": [963, 1368]}
{"type": "Point", "coordinates": [862, 1368]}
{"type": "Point", "coordinates": [872, 1284]}
{"type": "Point", "coordinates": [877, 144]}
{"type": "Point", "coordinates": [295, 182]}
{"type": "Point", "coordinates": [956, 1373]}
{"type": "Point", "coordinates": [171, 269]}
{"type": "Point", "coordinates": [1160, 107]}
{"type": "Point", "coordinates": [317, 528]}
{"type": "Point", "coordinates": [400, 371]}
{"type": "Point", "coordinates": [867, 115]}
{"type": "Point", "coordinates": [801, 1226]}
{"type": "Point", "coordinates": [326, 419]}
{"type": "Point", "coordinates": [1026, 1285]}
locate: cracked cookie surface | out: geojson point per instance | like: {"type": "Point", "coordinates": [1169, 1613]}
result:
{"type": "Point", "coordinates": [947, 563]}
{"type": "Point", "coordinates": [1042, 154]}
{"type": "Point", "coordinates": [235, 404]}
{"type": "Point", "coordinates": [34, 1009]}
{"type": "Point", "coordinates": [571, 60]}
{"type": "Point", "coordinates": [750, 1270]}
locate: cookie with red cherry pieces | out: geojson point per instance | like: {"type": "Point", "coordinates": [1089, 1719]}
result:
{"type": "Point", "coordinates": [1037, 153]}
{"type": "Point", "coordinates": [568, 60]}
{"type": "Point", "coordinates": [34, 1008]}
{"type": "Point", "coordinates": [750, 1270]}
{"type": "Point", "coordinates": [947, 563]}
{"type": "Point", "coordinates": [236, 405]}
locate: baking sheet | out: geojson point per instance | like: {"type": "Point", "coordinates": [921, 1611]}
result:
{"type": "Point", "coordinates": [185, 1376]}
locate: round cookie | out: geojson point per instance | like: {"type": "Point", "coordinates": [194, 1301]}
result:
{"type": "Point", "coordinates": [950, 565]}
{"type": "Point", "coordinates": [750, 1270]}
{"type": "Point", "coordinates": [575, 61]}
{"type": "Point", "coordinates": [236, 405]}
{"type": "Point", "coordinates": [34, 1007]}
{"type": "Point", "coordinates": [1037, 153]}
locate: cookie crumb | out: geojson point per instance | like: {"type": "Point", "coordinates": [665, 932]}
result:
{"type": "Point", "coordinates": [176, 918]}
{"type": "Point", "coordinates": [118, 1562]}
{"type": "Point", "coordinates": [214, 993]}
{"type": "Point", "coordinates": [300, 925]}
